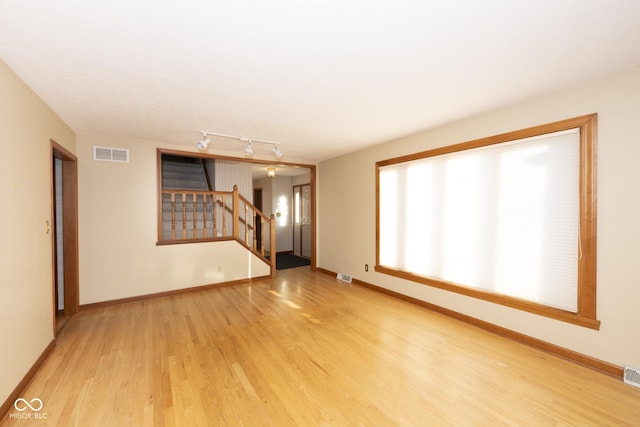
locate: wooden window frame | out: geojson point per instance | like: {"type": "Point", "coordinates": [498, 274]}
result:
{"type": "Point", "coordinates": [586, 311]}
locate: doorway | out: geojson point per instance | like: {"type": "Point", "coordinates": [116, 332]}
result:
{"type": "Point", "coordinates": [302, 220]}
{"type": "Point", "coordinates": [64, 236]}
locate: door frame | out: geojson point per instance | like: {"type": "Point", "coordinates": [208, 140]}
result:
{"type": "Point", "coordinates": [70, 231]}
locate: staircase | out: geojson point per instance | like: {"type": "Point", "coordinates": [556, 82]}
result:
{"type": "Point", "coordinates": [183, 173]}
{"type": "Point", "coordinates": [191, 212]}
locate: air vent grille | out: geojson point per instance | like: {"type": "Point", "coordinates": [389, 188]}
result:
{"type": "Point", "coordinates": [632, 376]}
{"type": "Point", "coordinates": [107, 154]}
{"type": "Point", "coordinates": [343, 277]}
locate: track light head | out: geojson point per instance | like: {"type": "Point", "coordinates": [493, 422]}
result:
{"type": "Point", "coordinates": [277, 151]}
{"type": "Point", "coordinates": [249, 150]}
{"type": "Point", "coordinates": [204, 143]}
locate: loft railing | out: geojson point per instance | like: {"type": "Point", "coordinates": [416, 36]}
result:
{"type": "Point", "coordinates": [190, 216]}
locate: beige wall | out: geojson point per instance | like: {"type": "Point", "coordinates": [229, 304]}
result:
{"type": "Point", "coordinates": [26, 289]}
{"type": "Point", "coordinates": [118, 231]}
{"type": "Point", "coordinates": [346, 204]}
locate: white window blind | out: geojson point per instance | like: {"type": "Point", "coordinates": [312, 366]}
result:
{"type": "Point", "coordinates": [502, 218]}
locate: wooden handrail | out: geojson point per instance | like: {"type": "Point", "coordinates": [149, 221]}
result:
{"type": "Point", "coordinates": [199, 192]}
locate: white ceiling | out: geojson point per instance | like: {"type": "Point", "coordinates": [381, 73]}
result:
{"type": "Point", "coordinates": [322, 77]}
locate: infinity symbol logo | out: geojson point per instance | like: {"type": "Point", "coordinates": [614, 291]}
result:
{"type": "Point", "coordinates": [35, 407]}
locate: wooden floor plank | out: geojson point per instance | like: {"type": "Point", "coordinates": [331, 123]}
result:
{"type": "Point", "coordinates": [305, 349]}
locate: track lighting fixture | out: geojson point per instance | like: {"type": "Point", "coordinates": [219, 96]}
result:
{"type": "Point", "coordinates": [248, 151]}
{"type": "Point", "coordinates": [277, 151]}
{"type": "Point", "coordinates": [202, 145]}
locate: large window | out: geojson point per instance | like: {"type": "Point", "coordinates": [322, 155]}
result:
{"type": "Point", "coordinates": [509, 219]}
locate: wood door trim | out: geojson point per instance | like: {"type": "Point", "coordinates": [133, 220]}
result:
{"type": "Point", "coordinates": [70, 229]}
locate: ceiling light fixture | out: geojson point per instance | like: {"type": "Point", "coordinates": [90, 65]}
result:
{"type": "Point", "coordinates": [248, 151]}
{"type": "Point", "coordinates": [277, 151]}
{"type": "Point", "coordinates": [202, 145]}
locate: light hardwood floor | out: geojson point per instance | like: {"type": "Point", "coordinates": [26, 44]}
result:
{"type": "Point", "coordinates": [306, 350]}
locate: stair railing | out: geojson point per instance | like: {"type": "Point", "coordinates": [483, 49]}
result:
{"type": "Point", "coordinates": [196, 216]}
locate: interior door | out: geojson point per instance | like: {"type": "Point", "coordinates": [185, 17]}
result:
{"type": "Point", "coordinates": [58, 230]}
{"type": "Point", "coordinates": [302, 220]}
{"type": "Point", "coordinates": [297, 215]}
{"type": "Point", "coordinates": [305, 222]}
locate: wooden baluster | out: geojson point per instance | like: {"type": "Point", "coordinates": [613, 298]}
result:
{"type": "Point", "coordinates": [224, 216]}
{"type": "Point", "coordinates": [253, 225]}
{"type": "Point", "coordinates": [236, 213]}
{"type": "Point", "coordinates": [262, 227]}
{"type": "Point", "coordinates": [272, 244]}
{"type": "Point", "coordinates": [204, 215]}
{"type": "Point", "coordinates": [253, 229]}
{"type": "Point", "coordinates": [215, 215]}
{"type": "Point", "coordinates": [246, 225]}
{"type": "Point", "coordinates": [184, 215]}
{"type": "Point", "coordinates": [173, 216]}
{"type": "Point", "coordinates": [195, 216]}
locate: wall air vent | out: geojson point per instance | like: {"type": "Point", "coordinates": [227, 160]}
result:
{"type": "Point", "coordinates": [632, 376]}
{"type": "Point", "coordinates": [107, 154]}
